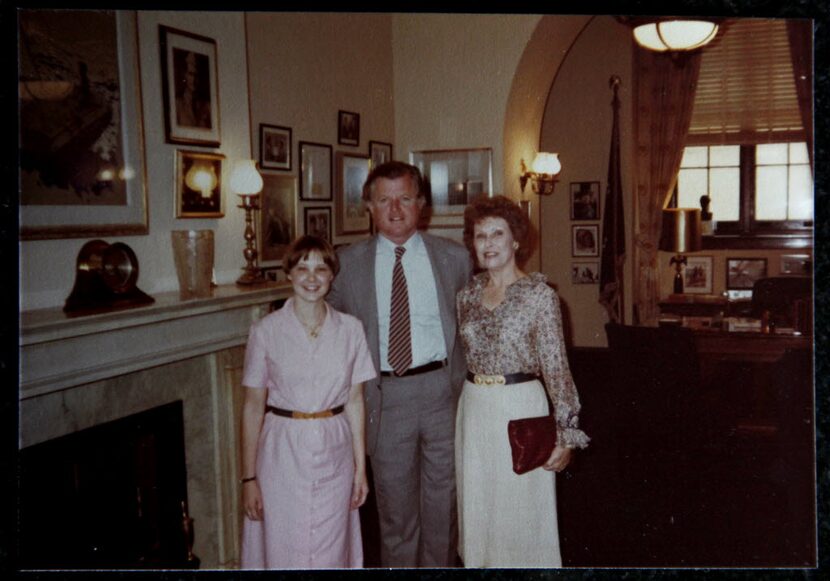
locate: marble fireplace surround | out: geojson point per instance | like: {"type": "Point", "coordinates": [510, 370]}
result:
{"type": "Point", "coordinates": [79, 372]}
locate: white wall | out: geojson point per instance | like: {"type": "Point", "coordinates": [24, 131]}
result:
{"type": "Point", "coordinates": [577, 125]}
{"type": "Point", "coordinates": [47, 267]}
{"type": "Point", "coordinates": [453, 74]}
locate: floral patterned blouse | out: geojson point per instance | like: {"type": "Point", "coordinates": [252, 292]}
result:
{"type": "Point", "coordinates": [522, 335]}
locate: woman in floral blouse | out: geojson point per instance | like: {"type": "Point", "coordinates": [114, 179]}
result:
{"type": "Point", "coordinates": [510, 325]}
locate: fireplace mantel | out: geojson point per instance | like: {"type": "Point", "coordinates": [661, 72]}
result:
{"type": "Point", "coordinates": [59, 352]}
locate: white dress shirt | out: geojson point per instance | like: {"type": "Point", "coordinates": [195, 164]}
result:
{"type": "Point", "coordinates": [425, 320]}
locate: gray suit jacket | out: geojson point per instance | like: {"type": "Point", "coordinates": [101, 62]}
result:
{"type": "Point", "coordinates": [353, 292]}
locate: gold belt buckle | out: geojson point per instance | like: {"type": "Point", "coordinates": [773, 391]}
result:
{"type": "Point", "coordinates": [481, 379]}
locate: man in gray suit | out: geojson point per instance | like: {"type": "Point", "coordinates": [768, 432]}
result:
{"type": "Point", "coordinates": [410, 409]}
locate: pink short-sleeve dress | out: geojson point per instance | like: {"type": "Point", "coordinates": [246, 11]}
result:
{"type": "Point", "coordinates": [305, 468]}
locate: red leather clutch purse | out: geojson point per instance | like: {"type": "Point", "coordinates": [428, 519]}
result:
{"type": "Point", "coordinates": [531, 442]}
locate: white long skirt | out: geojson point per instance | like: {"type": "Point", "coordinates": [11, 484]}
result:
{"type": "Point", "coordinates": [505, 519]}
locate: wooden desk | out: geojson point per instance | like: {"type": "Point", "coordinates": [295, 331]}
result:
{"type": "Point", "coordinates": [747, 370]}
{"type": "Point", "coordinates": [715, 345]}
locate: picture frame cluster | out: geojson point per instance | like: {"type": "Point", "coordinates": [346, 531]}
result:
{"type": "Point", "coordinates": [585, 212]}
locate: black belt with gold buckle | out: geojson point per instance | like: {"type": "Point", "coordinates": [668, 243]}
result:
{"type": "Point", "coordinates": [305, 415]}
{"type": "Point", "coordinates": [482, 379]}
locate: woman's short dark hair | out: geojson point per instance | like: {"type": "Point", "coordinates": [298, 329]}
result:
{"type": "Point", "coordinates": [393, 170]}
{"type": "Point", "coordinates": [305, 245]}
{"type": "Point", "coordinates": [510, 212]}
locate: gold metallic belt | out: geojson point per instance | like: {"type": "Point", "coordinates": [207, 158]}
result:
{"type": "Point", "coordinates": [305, 415]}
{"type": "Point", "coordinates": [482, 379]}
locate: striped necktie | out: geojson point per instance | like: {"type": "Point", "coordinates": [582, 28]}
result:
{"type": "Point", "coordinates": [400, 340]}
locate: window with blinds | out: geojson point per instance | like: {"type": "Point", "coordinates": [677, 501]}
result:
{"type": "Point", "coordinates": [747, 148]}
{"type": "Point", "coordinates": [746, 89]}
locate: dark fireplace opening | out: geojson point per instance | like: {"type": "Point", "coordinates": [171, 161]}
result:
{"type": "Point", "coordinates": [113, 496]}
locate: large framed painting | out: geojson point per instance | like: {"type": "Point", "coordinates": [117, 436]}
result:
{"type": "Point", "coordinates": [82, 171]}
{"type": "Point", "coordinates": [277, 218]}
{"type": "Point", "coordinates": [352, 216]}
{"type": "Point", "coordinates": [190, 87]}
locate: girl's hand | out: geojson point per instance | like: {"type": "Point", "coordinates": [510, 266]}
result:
{"type": "Point", "coordinates": [360, 489]}
{"type": "Point", "coordinates": [252, 500]}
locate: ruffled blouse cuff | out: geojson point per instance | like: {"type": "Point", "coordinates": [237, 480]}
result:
{"type": "Point", "coordinates": [572, 438]}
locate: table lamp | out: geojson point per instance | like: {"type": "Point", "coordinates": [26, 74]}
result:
{"type": "Point", "coordinates": [680, 234]}
{"type": "Point", "coordinates": [247, 183]}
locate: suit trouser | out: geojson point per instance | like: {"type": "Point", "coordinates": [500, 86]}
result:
{"type": "Point", "coordinates": [414, 471]}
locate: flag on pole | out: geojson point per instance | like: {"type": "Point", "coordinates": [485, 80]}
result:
{"type": "Point", "coordinates": [613, 226]}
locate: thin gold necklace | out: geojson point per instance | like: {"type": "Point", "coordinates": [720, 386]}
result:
{"type": "Point", "coordinates": [313, 331]}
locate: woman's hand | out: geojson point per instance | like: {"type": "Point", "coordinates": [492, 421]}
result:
{"type": "Point", "coordinates": [360, 489]}
{"type": "Point", "coordinates": [559, 459]}
{"type": "Point", "coordinates": [252, 500]}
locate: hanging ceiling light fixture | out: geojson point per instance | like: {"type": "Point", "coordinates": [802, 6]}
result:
{"type": "Point", "coordinates": [674, 33]}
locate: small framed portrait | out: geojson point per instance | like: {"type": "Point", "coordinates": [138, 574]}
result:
{"type": "Point", "coordinates": [274, 147]}
{"type": "Point", "coordinates": [585, 240]}
{"type": "Point", "coordinates": [277, 218]}
{"type": "Point", "coordinates": [315, 171]}
{"type": "Point", "coordinates": [379, 152]}
{"type": "Point", "coordinates": [796, 264]}
{"type": "Point", "coordinates": [352, 217]}
{"type": "Point", "coordinates": [317, 221]}
{"type": "Point", "coordinates": [741, 273]}
{"type": "Point", "coordinates": [585, 272]}
{"type": "Point", "coordinates": [585, 201]}
{"type": "Point", "coordinates": [199, 185]}
{"type": "Point", "coordinates": [697, 275]}
{"type": "Point", "coordinates": [190, 88]}
{"type": "Point", "coordinates": [348, 128]}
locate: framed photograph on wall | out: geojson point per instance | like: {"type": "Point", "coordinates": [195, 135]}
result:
{"type": "Point", "coordinates": [797, 264]}
{"type": "Point", "coordinates": [585, 201]}
{"type": "Point", "coordinates": [274, 147]}
{"type": "Point", "coordinates": [585, 272]}
{"type": "Point", "coordinates": [199, 184]}
{"type": "Point", "coordinates": [741, 273]}
{"type": "Point", "coordinates": [585, 240]}
{"type": "Point", "coordinates": [277, 218]}
{"type": "Point", "coordinates": [455, 177]}
{"type": "Point", "coordinates": [379, 152]}
{"type": "Point", "coordinates": [67, 188]}
{"type": "Point", "coordinates": [190, 87]}
{"type": "Point", "coordinates": [697, 276]}
{"type": "Point", "coordinates": [352, 217]}
{"type": "Point", "coordinates": [317, 221]}
{"type": "Point", "coordinates": [315, 171]}
{"type": "Point", "coordinates": [348, 128]}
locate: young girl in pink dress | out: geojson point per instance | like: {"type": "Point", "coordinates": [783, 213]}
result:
{"type": "Point", "coordinates": [303, 447]}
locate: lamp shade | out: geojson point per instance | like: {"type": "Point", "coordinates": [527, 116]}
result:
{"type": "Point", "coordinates": [245, 178]}
{"type": "Point", "coordinates": [676, 34]}
{"type": "Point", "coordinates": [681, 230]}
{"type": "Point", "coordinates": [547, 163]}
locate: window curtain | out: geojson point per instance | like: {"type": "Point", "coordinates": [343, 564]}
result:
{"type": "Point", "coordinates": [800, 33]}
{"type": "Point", "coordinates": [665, 89]}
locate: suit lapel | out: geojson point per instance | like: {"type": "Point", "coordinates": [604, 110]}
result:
{"type": "Point", "coordinates": [365, 293]}
{"type": "Point", "coordinates": [442, 271]}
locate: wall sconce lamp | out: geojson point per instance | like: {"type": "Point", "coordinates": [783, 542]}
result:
{"type": "Point", "coordinates": [543, 174]}
{"type": "Point", "coordinates": [246, 182]}
{"type": "Point", "coordinates": [680, 233]}
{"type": "Point", "coordinates": [672, 33]}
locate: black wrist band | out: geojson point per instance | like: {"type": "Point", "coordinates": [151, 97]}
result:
{"type": "Point", "coordinates": [244, 480]}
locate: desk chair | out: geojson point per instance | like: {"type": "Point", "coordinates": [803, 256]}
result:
{"type": "Point", "coordinates": [788, 299]}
